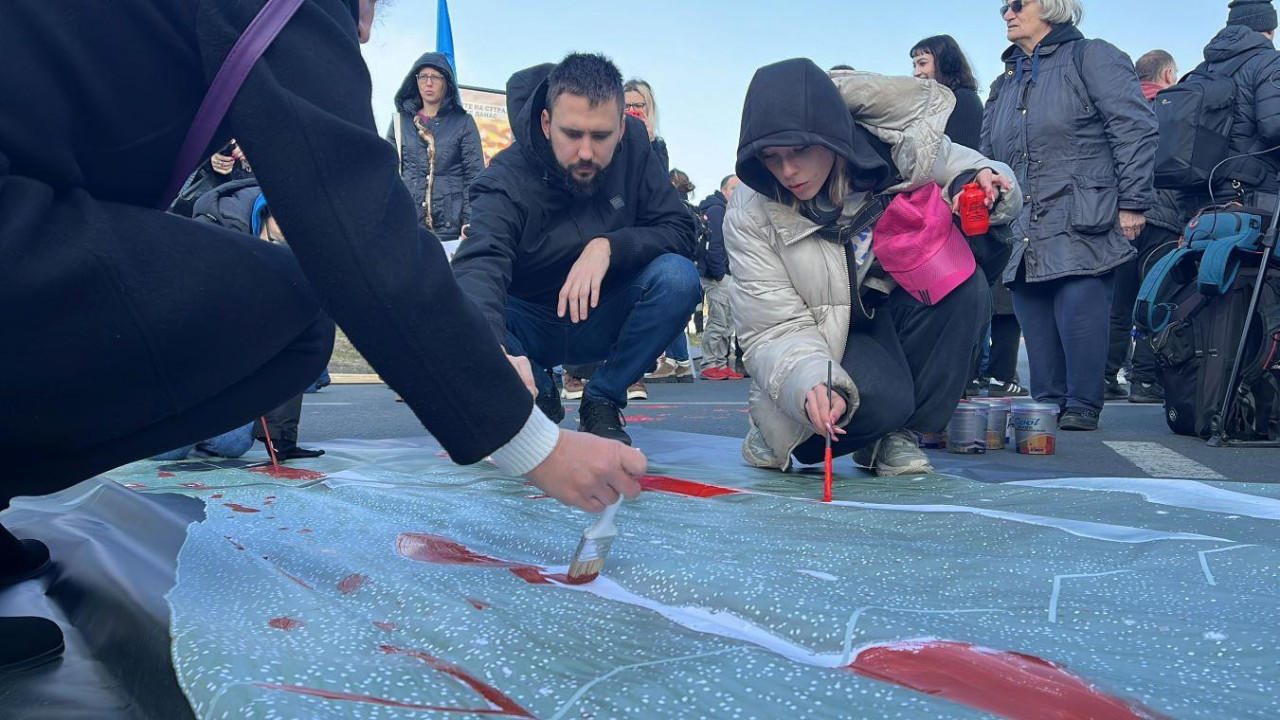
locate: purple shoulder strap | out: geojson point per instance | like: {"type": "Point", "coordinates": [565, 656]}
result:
{"type": "Point", "coordinates": [252, 43]}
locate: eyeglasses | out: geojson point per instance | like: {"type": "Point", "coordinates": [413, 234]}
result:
{"type": "Point", "coordinates": [430, 78]}
{"type": "Point", "coordinates": [636, 106]}
{"type": "Point", "coordinates": [1016, 6]}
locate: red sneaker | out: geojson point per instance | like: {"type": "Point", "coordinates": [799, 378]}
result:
{"type": "Point", "coordinates": [729, 374]}
{"type": "Point", "coordinates": [714, 373]}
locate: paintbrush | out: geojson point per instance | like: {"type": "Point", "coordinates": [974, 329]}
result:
{"type": "Point", "coordinates": [826, 470]}
{"type": "Point", "coordinates": [592, 550]}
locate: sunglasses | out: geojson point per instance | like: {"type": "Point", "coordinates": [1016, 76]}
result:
{"type": "Point", "coordinates": [1016, 6]}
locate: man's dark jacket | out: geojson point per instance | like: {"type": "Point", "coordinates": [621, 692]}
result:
{"type": "Point", "coordinates": [110, 91]}
{"type": "Point", "coordinates": [1257, 115]}
{"type": "Point", "coordinates": [714, 263]}
{"type": "Point", "coordinates": [528, 229]}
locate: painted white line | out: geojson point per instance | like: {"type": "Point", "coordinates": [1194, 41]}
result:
{"type": "Point", "coordinates": [1204, 562]}
{"type": "Point", "coordinates": [583, 690]}
{"type": "Point", "coordinates": [853, 621]}
{"type": "Point", "coordinates": [1187, 494]}
{"type": "Point", "coordinates": [1057, 588]}
{"type": "Point", "coordinates": [1157, 460]}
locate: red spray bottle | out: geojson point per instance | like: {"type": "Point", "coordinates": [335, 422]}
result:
{"type": "Point", "coordinates": [974, 218]}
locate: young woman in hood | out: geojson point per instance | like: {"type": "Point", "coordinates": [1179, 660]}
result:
{"type": "Point", "coordinates": [1069, 116]}
{"type": "Point", "coordinates": [821, 159]}
{"type": "Point", "coordinates": [438, 144]}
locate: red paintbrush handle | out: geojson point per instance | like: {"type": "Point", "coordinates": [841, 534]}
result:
{"type": "Point", "coordinates": [826, 485]}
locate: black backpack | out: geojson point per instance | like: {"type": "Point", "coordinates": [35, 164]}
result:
{"type": "Point", "coordinates": [702, 236]}
{"type": "Point", "coordinates": [1195, 119]}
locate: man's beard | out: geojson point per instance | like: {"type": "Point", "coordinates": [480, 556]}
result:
{"type": "Point", "coordinates": [582, 188]}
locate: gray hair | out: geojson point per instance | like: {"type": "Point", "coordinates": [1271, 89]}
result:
{"type": "Point", "coordinates": [1058, 12]}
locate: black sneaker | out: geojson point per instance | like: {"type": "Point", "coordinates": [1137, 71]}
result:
{"type": "Point", "coordinates": [28, 642]}
{"type": "Point", "coordinates": [998, 389]}
{"type": "Point", "coordinates": [603, 418]}
{"type": "Point", "coordinates": [1115, 391]}
{"type": "Point", "coordinates": [1078, 419]}
{"type": "Point", "coordinates": [1146, 393]}
{"type": "Point", "coordinates": [974, 388]}
{"type": "Point", "coordinates": [550, 405]}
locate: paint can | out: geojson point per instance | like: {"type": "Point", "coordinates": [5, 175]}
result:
{"type": "Point", "coordinates": [1035, 428]}
{"type": "Point", "coordinates": [932, 441]}
{"type": "Point", "coordinates": [997, 423]}
{"type": "Point", "coordinates": [967, 431]}
{"type": "Point", "coordinates": [1010, 436]}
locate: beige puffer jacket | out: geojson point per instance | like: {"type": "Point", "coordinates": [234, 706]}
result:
{"type": "Point", "coordinates": [791, 296]}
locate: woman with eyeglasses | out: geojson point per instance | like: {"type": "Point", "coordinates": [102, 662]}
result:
{"type": "Point", "coordinates": [1069, 116]}
{"type": "Point", "coordinates": [438, 144]}
{"type": "Point", "coordinates": [638, 96]}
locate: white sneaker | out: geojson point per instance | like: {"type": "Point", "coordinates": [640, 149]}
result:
{"type": "Point", "coordinates": [895, 454]}
{"type": "Point", "coordinates": [756, 451]}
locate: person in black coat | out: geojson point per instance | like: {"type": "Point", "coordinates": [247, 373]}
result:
{"type": "Point", "coordinates": [995, 366]}
{"type": "Point", "coordinates": [438, 144]}
{"type": "Point", "coordinates": [152, 350]}
{"type": "Point", "coordinates": [579, 249]}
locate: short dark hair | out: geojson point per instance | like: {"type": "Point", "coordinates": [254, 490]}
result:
{"type": "Point", "coordinates": [592, 76]}
{"type": "Point", "coordinates": [1150, 66]}
{"type": "Point", "coordinates": [725, 182]}
{"type": "Point", "coordinates": [950, 66]}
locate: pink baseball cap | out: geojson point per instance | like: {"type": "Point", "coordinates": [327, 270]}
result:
{"type": "Point", "coordinates": [920, 247]}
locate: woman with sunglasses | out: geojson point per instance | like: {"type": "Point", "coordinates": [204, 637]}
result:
{"type": "Point", "coordinates": [438, 144]}
{"type": "Point", "coordinates": [1069, 116]}
{"type": "Point", "coordinates": [835, 173]}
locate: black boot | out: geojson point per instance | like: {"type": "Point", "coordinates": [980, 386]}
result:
{"type": "Point", "coordinates": [28, 642]}
{"type": "Point", "coordinates": [20, 559]}
{"type": "Point", "coordinates": [549, 401]}
{"type": "Point", "coordinates": [603, 418]}
{"type": "Point", "coordinates": [298, 453]}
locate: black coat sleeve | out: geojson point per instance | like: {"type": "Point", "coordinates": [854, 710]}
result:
{"type": "Point", "coordinates": [717, 258]}
{"type": "Point", "coordinates": [472, 164]}
{"type": "Point", "coordinates": [485, 261]}
{"type": "Point", "coordinates": [1266, 101]}
{"type": "Point", "coordinates": [303, 115]}
{"type": "Point", "coordinates": [663, 225]}
{"type": "Point", "coordinates": [964, 127]}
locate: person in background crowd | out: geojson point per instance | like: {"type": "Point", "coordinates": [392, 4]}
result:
{"type": "Point", "coordinates": [230, 444]}
{"type": "Point", "coordinates": [717, 280]}
{"type": "Point", "coordinates": [845, 256]}
{"type": "Point", "coordinates": [226, 165]}
{"type": "Point", "coordinates": [1165, 221]}
{"type": "Point", "coordinates": [674, 364]}
{"type": "Point", "coordinates": [995, 366]}
{"type": "Point", "coordinates": [438, 144]}
{"type": "Point", "coordinates": [168, 344]}
{"type": "Point", "coordinates": [1069, 116]}
{"type": "Point", "coordinates": [579, 168]}
{"type": "Point", "coordinates": [639, 99]}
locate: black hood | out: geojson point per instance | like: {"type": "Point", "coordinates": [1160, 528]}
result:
{"type": "Point", "coordinates": [1233, 41]}
{"type": "Point", "coordinates": [526, 99]}
{"type": "Point", "coordinates": [1058, 34]}
{"type": "Point", "coordinates": [710, 201]}
{"type": "Point", "coordinates": [794, 103]}
{"type": "Point", "coordinates": [407, 98]}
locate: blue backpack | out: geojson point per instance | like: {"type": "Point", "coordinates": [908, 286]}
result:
{"type": "Point", "coordinates": [1209, 255]}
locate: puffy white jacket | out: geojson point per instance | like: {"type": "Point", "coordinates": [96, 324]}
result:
{"type": "Point", "coordinates": [792, 294]}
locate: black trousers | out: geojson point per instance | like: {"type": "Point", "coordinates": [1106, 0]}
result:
{"type": "Point", "coordinates": [910, 364]}
{"type": "Point", "coordinates": [1153, 244]}
{"type": "Point", "coordinates": [134, 334]}
{"type": "Point", "coordinates": [1006, 339]}
{"type": "Point", "coordinates": [282, 423]}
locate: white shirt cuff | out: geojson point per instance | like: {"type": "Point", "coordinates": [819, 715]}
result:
{"type": "Point", "coordinates": [530, 446]}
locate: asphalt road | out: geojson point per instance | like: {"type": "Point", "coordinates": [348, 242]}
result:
{"type": "Point", "coordinates": [1133, 440]}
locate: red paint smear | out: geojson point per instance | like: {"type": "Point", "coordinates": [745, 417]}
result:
{"type": "Point", "coordinates": [478, 604]}
{"type": "Point", "coordinates": [234, 544]}
{"type": "Point", "coordinates": [443, 551]}
{"type": "Point", "coordinates": [284, 472]}
{"type": "Point", "coordinates": [659, 407]}
{"type": "Point", "coordinates": [294, 578]}
{"type": "Point", "coordinates": [641, 418]}
{"type": "Point", "coordinates": [678, 486]}
{"type": "Point", "coordinates": [385, 626]}
{"type": "Point", "coordinates": [216, 497]}
{"type": "Point", "coordinates": [190, 484]}
{"type": "Point", "coordinates": [335, 695]}
{"type": "Point", "coordinates": [236, 507]}
{"type": "Point", "coordinates": [502, 703]}
{"type": "Point", "coordinates": [538, 497]}
{"type": "Point", "coordinates": [1007, 684]}
{"type": "Point", "coordinates": [165, 474]}
{"type": "Point", "coordinates": [352, 583]}
{"type": "Point", "coordinates": [285, 623]}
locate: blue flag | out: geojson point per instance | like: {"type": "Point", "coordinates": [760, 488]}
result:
{"type": "Point", "coordinates": [444, 35]}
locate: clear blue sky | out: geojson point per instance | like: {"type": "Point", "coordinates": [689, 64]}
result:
{"type": "Point", "coordinates": [699, 56]}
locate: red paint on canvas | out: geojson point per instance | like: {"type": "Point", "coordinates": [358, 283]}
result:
{"type": "Point", "coordinates": [352, 583]}
{"type": "Point", "coordinates": [165, 474]}
{"type": "Point", "coordinates": [350, 697]}
{"type": "Point", "coordinates": [234, 544]}
{"type": "Point", "coordinates": [284, 472]}
{"type": "Point", "coordinates": [1007, 684]}
{"type": "Point", "coordinates": [501, 703]}
{"type": "Point", "coordinates": [478, 604]}
{"type": "Point", "coordinates": [384, 626]}
{"type": "Point", "coordinates": [663, 483]}
{"type": "Point", "coordinates": [237, 507]}
{"type": "Point", "coordinates": [285, 623]}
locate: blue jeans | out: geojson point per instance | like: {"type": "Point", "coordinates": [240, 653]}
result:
{"type": "Point", "coordinates": [628, 329]}
{"type": "Point", "coordinates": [231, 444]}
{"type": "Point", "coordinates": [1067, 324]}
{"type": "Point", "coordinates": [678, 349]}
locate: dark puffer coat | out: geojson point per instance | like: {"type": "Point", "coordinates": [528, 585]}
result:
{"type": "Point", "coordinates": [458, 157]}
{"type": "Point", "coordinates": [1257, 116]}
{"type": "Point", "coordinates": [1082, 142]}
